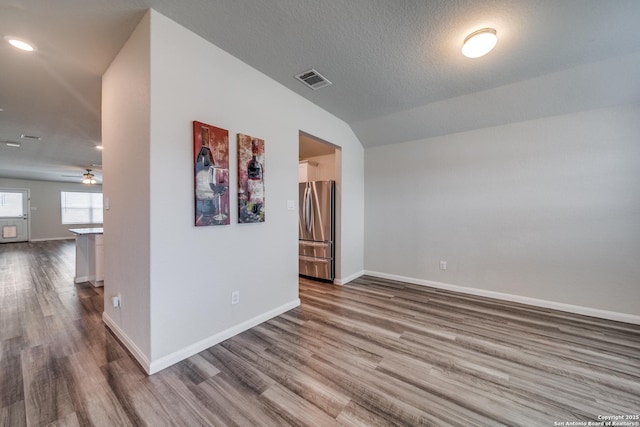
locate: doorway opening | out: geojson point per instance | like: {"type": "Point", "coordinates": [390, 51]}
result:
{"type": "Point", "coordinates": [319, 208]}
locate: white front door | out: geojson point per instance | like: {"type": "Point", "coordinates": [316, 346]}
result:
{"type": "Point", "coordinates": [14, 215]}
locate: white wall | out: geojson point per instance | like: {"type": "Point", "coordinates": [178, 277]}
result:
{"type": "Point", "coordinates": [192, 271]}
{"type": "Point", "coordinates": [125, 159]}
{"type": "Point", "coordinates": [547, 209]}
{"type": "Point", "coordinates": [45, 215]}
{"type": "Point", "coordinates": [349, 213]}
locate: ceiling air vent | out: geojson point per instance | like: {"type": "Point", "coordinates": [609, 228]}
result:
{"type": "Point", "coordinates": [313, 79]}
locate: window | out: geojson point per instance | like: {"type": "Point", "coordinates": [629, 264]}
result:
{"type": "Point", "coordinates": [11, 205]}
{"type": "Point", "coordinates": [81, 208]}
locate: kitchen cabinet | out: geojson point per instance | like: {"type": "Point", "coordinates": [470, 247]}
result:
{"type": "Point", "coordinates": [307, 171]}
{"type": "Point", "coordinates": [89, 255]}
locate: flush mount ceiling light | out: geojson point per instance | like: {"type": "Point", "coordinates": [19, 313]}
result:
{"type": "Point", "coordinates": [479, 43]}
{"type": "Point", "coordinates": [20, 43]}
{"type": "Point", "coordinates": [88, 178]}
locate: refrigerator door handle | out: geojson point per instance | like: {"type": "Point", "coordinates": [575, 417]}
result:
{"type": "Point", "coordinates": [304, 207]}
{"type": "Point", "coordinates": [305, 210]}
{"type": "Point", "coordinates": [310, 210]}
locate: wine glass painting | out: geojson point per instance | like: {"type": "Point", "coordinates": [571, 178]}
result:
{"type": "Point", "coordinates": [211, 174]}
{"type": "Point", "coordinates": [218, 178]}
{"type": "Point", "coordinates": [251, 197]}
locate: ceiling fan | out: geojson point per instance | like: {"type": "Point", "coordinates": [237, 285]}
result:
{"type": "Point", "coordinates": [88, 177]}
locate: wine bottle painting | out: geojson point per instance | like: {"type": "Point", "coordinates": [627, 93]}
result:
{"type": "Point", "coordinates": [251, 196]}
{"type": "Point", "coordinates": [211, 174]}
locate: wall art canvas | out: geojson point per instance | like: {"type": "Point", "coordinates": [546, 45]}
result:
{"type": "Point", "coordinates": [251, 195]}
{"type": "Point", "coordinates": [211, 161]}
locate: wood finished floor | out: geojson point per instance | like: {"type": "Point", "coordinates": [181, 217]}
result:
{"type": "Point", "coordinates": [374, 352]}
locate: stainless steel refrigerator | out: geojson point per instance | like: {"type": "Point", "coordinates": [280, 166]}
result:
{"type": "Point", "coordinates": [316, 230]}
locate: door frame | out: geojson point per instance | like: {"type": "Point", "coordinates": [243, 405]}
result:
{"type": "Point", "coordinates": [337, 244]}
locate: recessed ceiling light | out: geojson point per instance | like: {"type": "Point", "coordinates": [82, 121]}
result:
{"type": "Point", "coordinates": [1, 109]}
{"type": "Point", "coordinates": [479, 43]}
{"type": "Point", "coordinates": [99, 147]}
{"type": "Point", "coordinates": [20, 43]}
{"type": "Point", "coordinates": [12, 144]}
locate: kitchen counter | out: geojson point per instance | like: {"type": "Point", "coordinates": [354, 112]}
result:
{"type": "Point", "coordinates": [82, 231]}
{"type": "Point", "coordinates": [89, 255]}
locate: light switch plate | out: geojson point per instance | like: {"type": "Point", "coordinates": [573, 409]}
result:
{"type": "Point", "coordinates": [291, 205]}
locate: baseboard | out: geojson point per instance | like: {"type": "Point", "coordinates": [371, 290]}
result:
{"type": "Point", "coordinates": [52, 238]}
{"type": "Point", "coordinates": [184, 353]}
{"type": "Point", "coordinates": [142, 359]}
{"type": "Point", "coordinates": [348, 279]}
{"type": "Point", "coordinates": [576, 309]}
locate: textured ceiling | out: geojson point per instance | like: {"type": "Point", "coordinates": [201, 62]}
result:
{"type": "Point", "coordinates": [396, 66]}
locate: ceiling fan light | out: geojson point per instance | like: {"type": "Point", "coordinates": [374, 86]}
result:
{"type": "Point", "coordinates": [479, 43]}
{"type": "Point", "coordinates": [88, 178]}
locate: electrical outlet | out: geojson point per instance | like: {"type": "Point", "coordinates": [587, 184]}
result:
{"type": "Point", "coordinates": [443, 265]}
{"type": "Point", "coordinates": [235, 297]}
